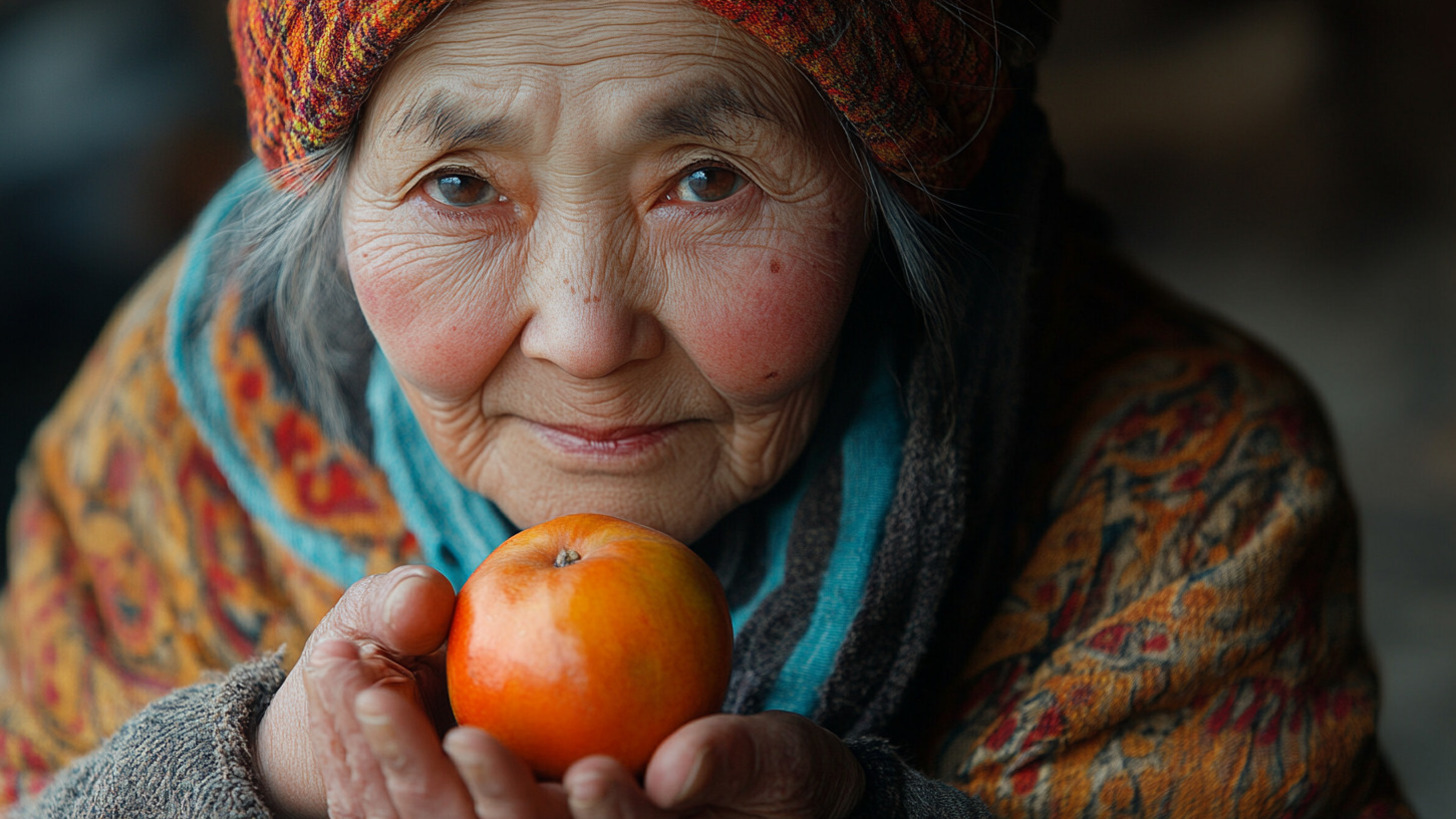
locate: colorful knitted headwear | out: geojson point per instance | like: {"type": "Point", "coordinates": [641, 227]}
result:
{"type": "Point", "coordinates": [919, 80]}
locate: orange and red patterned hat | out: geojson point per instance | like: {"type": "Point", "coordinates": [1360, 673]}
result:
{"type": "Point", "coordinates": [920, 81]}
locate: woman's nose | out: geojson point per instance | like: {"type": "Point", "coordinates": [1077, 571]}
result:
{"type": "Point", "coordinates": [590, 325]}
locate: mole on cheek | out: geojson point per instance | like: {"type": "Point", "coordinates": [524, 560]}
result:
{"type": "Point", "coordinates": [774, 266]}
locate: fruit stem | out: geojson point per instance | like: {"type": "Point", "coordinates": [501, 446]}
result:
{"type": "Point", "coordinates": [566, 557]}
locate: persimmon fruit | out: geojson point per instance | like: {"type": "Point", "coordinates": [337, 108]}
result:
{"type": "Point", "coordinates": [586, 635]}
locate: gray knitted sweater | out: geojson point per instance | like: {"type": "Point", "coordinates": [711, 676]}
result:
{"type": "Point", "coordinates": [189, 755]}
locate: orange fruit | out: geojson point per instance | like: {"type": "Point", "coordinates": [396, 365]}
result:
{"type": "Point", "coordinates": [588, 635]}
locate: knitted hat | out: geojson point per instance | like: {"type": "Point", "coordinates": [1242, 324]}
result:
{"type": "Point", "coordinates": [921, 81]}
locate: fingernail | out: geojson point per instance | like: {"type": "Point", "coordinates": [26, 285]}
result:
{"type": "Point", "coordinates": [398, 601]}
{"type": "Point", "coordinates": [460, 749]}
{"type": "Point", "coordinates": [694, 782]}
{"type": "Point", "coordinates": [378, 731]}
{"type": "Point", "coordinates": [589, 791]}
{"type": "Point", "coordinates": [474, 766]}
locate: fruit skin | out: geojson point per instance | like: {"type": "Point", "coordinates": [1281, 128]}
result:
{"type": "Point", "coordinates": [609, 654]}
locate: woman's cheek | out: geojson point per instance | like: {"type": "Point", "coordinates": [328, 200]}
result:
{"type": "Point", "coordinates": [774, 324]}
{"type": "Point", "coordinates": [438, 313]}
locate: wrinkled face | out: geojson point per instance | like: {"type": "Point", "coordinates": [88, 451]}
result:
{"type": "Point", "coordinates": [607, 249]}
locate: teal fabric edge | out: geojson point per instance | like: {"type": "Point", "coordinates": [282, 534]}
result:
{"type": "Point", "coordinates": [780, 522]}
{"type": "Point", "coordinates": [871, 454]}
{"type": "Point", "coordinates": [202, 397]}
{"type": "Point", "coordinates": [456, 527]}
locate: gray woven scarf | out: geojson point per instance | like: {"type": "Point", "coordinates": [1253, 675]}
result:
{"type": "Point", "coordinates": [945, 523]}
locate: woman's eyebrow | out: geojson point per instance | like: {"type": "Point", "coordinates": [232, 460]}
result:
{"type": "Point", "coordinates": [448, 125]}
{"type": "Point", "coordinates": [713, 112]}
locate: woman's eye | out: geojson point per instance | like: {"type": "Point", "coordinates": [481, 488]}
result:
{"type": "Point", "coordinates": [460, 190]}
{"type": "Point", "coordinates": [706, 185]}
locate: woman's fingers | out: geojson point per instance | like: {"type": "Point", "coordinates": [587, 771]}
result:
{"type": "Point", "coordinates": [501, 786]}
{"type": "Point", "coordinates": [419, 781]}
{"type": "Point", "coordinates": [773, 764]}
{"type": "Point", "coordinates": [385, 759]}
{"type": "Point", "coordinates": [333, 677]}
{"type": "Point", "coordinates": [406, 612]}
{"type": "Point", "coordinates": [600, 788]}
{"type": "Point", "coordinates": [403, 617]}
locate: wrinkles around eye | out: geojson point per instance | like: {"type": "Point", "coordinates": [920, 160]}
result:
{"type": "Point", "coordinates": [400, 249]}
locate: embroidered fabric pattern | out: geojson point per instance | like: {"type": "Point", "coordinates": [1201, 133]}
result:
{"type": "Point", "coordinates": [136, 567]}
{"type": "Point", "coordinates": [1183, 639]}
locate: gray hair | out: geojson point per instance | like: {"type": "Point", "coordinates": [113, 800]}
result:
{"type": "Point", "coordinates": [284, 251]}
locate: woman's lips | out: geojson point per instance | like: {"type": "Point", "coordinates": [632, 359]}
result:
{"type": "Point", "coordinates": [604, 442]}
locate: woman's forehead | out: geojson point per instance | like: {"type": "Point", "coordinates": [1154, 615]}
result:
{"type": "Point", "coordinates": [707, 108]}
{"type": "Point", "coordinates": [685, 68]}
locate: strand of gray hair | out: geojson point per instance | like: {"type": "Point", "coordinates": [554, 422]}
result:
{"type": "Point", "coordinates": [282, 249]}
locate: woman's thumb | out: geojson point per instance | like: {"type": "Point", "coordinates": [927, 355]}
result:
{"type": "Point", "coordinates": [406, 612]}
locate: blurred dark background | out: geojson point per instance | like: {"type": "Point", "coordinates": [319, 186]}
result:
{"type": "Point", "coordinates": [1288, 163]}
{"type": "Point", "coordinates": [118, 119]}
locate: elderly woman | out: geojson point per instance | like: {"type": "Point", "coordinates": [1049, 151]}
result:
{"type": "Point", "coordinates": [1004, 529]}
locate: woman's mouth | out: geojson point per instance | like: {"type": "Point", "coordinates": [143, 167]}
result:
{"type": "Point", "coordinates": [603, 442]}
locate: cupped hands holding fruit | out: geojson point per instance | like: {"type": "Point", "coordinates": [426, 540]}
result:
{"type": "Point", "coordinates": [600, 674]}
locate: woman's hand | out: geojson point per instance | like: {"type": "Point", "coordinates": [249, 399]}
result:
{"type": "Point", "coordinates": [773, 764]}
{"type": "Point", "coordinates": [768, 765]}
{"type": "Point", "coordinates": [354, 732]}
{"type": "Point", "coordinates": [385, 634]}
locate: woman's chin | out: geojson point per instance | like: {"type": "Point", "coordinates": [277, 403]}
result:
{"type": "Point", "coordinates": [684, 512]}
